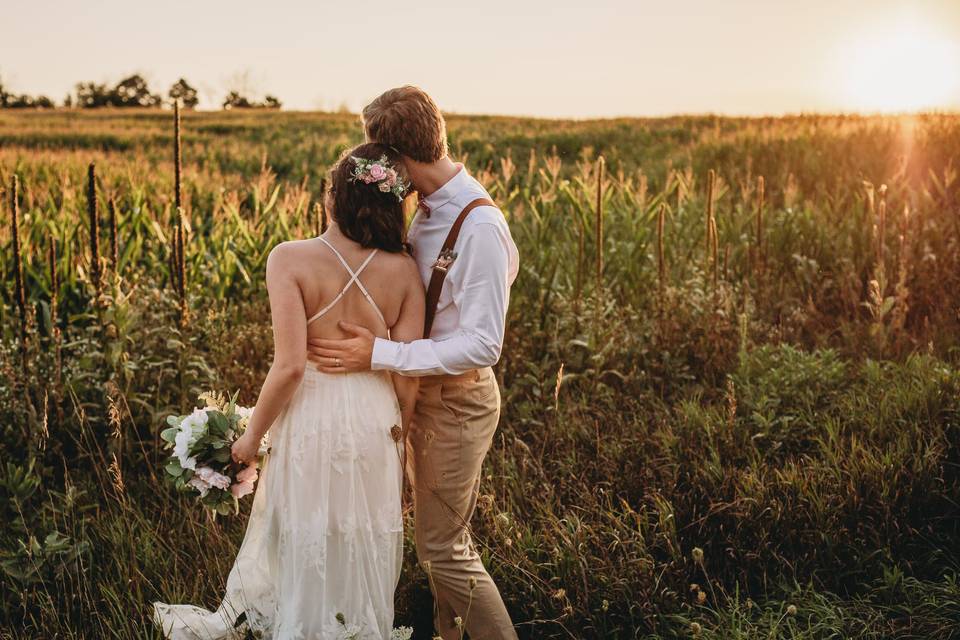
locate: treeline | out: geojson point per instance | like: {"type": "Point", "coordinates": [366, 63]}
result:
{"type": "Point", "coordinates": [130, 92]}
{"type": "Point", "coordinates": [23, 101]}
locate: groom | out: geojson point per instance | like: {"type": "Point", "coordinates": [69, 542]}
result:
{"type": "Point", "coordinates": [468, 261]}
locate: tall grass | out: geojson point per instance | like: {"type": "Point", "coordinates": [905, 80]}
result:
{"type": "Point", "coordinates": [773, 423]}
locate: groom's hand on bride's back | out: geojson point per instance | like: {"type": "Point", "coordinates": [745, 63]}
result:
{"type": "Point", "coordinates": [342, 356]}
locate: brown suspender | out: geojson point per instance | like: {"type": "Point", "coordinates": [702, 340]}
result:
{"type": "Point", "coordinates": [444, 260]}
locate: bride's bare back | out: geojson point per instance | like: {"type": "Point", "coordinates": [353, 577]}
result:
{"type": "Point", "coordinates": [325, 285]}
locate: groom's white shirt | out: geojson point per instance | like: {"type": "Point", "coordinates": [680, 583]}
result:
{"type": "Point", "coordinates": [468, 329]}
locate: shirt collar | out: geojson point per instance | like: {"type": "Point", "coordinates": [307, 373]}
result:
{"type": "Point", "coordinates": [446, 193]}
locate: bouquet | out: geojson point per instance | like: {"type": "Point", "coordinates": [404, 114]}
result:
{"type": "Point", "coordinates": [200, 462]}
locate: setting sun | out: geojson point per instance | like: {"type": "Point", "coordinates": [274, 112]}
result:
{"type": "Point", "coordinates": [906, 67]}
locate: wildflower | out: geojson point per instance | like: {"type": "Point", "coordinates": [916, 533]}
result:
{"type": "Point", "coordinates": [697, 554]}
{"type": "Point", "coordinates": [792, 610]}
{"type": "Point", "coordinates": [458, 621]}
{"type": "Point", "coordinates": [503, 518]}
{"type": "Point", "coordinates": [560, 594]}
{"type": "Point", "coordinates": [341, 619]}
{"type": "Point", "coordinates": [605, 605]}
{"type": "Point", "coordinates": [695, 628]}
{"type": "Point", "coordinates": [701, 597]}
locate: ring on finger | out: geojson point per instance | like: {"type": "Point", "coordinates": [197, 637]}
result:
{"type": "Point", "coordinates": [337, 362]}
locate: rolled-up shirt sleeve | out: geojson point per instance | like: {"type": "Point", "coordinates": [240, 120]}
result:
{"type": "Point", "coordinates": [479, 280]}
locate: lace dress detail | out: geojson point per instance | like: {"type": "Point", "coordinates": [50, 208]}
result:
{"type": "Point", "coordinates": [325, 534]}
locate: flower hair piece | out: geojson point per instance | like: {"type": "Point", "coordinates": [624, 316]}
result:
{"type": "Point", "coordinates": [379, 172]}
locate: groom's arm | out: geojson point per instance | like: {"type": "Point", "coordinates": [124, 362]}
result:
{"type": "Point", "coordinates": [481, 293]}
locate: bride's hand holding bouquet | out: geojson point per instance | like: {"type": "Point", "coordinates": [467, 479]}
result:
{"type": "Point", "coordinates": [213, 455]}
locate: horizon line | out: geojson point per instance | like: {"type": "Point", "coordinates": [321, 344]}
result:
{"type": "Point", "coordinates": [944, 111]}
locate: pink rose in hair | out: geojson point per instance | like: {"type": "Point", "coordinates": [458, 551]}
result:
{"type": "Point", "coordinates": [377, 172]}
{"type": "Point", "coordinates": [391, 178]}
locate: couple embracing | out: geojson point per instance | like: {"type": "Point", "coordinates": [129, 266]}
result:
{"type": "Point", "coordinates": [382, 364]}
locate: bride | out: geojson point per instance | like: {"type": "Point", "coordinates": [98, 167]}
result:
{"type": "Point", "coordinates": [322, 552]}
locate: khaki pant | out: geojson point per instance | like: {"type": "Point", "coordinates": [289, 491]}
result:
{"type": "Point", "coordinates": [452, 430]}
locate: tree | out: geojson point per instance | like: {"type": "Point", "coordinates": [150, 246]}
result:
{"type": "Point", "coordinates": [182, 91]}
{"type": "Point", "coordinates": [236, 101]}
{"type": "Point", "coordinates": [91, 95]}
{"type": "Point", "coordinates": [23, 101]}
{"type": "Point", "coordinates": [133, 92]}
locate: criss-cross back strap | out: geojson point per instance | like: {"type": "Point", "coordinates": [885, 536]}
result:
{"type": "Point", "coordinates": [354, 279]}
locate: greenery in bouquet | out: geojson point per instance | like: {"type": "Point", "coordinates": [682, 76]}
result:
{"type": "Point", "coordinates": [200, 462]}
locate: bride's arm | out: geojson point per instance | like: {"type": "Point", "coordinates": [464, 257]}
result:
{"type": "Point", "coordinates": [289, 354]}
{"type": "Point", "coordinates": [409, 327]}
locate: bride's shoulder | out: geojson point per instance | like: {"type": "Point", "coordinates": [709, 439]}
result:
{"type": "Point", "coordinates": [400, 264]}
{"type": "Point", "coordinates": [288, 254]}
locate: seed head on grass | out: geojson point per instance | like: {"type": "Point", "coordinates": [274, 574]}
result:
{"type": "Point", "coordinates": [19, 292]}
{"type": "Point", "coordinates": [94, 226]}
{"type": "Point", "coordinates": [114, 250]}
{"type": "Point", "coordinates": [599, 227]}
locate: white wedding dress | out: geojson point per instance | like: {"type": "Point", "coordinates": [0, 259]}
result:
{"type": "Point", "coordinates": [325, 535]}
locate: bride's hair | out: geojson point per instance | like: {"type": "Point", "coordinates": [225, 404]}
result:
{"type": "Point", "coordinates": [364, 213]}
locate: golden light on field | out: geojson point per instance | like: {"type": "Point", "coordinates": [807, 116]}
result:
{"type": "Point", "coordinates": [907, 67]}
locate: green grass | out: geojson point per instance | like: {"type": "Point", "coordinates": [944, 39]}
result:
{"type": "Point", "coordinates": [768, 408]}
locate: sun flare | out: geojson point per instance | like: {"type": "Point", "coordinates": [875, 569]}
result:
{"type": "Point", "coordinates": [908, 67]}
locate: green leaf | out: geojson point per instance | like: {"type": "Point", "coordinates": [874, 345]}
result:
{"type": "Point", "coordinates": [169, 435]}
{"type": "Point", "coordinates": [173, 468]}
{"type": "Point", "coordinates": [217, 422]}
{"type": "Point", "coordinates": [173, 421]}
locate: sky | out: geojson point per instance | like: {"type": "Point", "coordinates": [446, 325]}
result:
{"type": "Point", "coordinates": [552, 58]}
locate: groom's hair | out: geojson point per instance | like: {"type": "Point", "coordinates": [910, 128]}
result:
{"type": "Point", "coordinates": [407, 119]}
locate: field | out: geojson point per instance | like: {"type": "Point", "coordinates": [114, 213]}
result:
{"type": "Point", "coordinates": [731, 379]}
